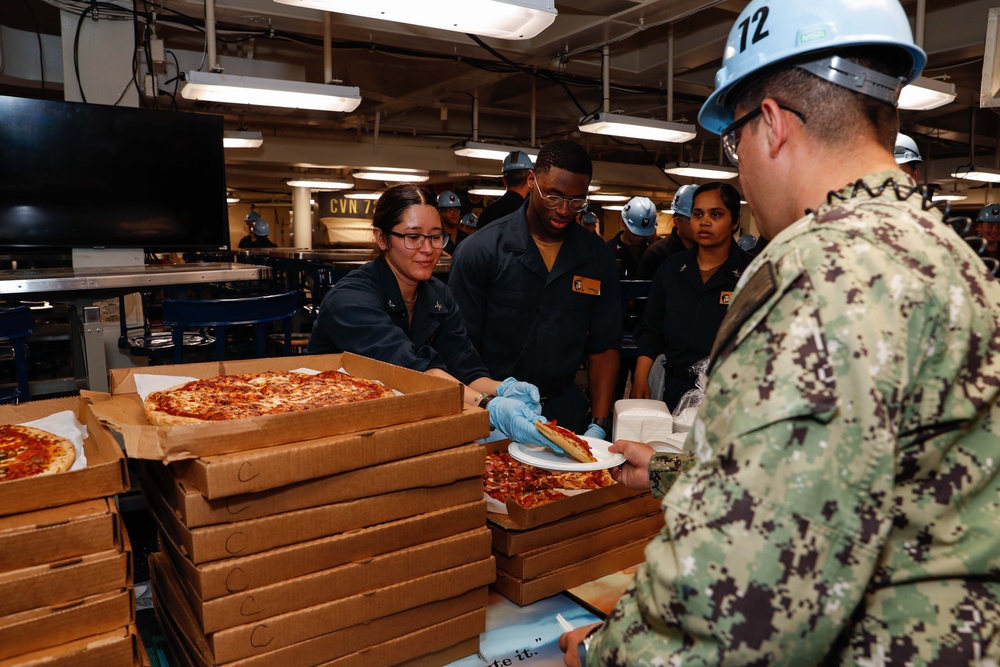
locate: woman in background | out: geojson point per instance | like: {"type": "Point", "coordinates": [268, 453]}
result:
{"type": "Point", "coordinates": [690, 294]}
{"type": "Point", "coordinates": [393, 309]}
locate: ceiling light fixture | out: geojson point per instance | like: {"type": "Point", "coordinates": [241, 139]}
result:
{"type": "Point", "coordinates": [948, 196]}
{"type": "Point", "coordinates": [219, 87]}
{"type": "Point", "coordinates": [594, 186]}
{"type": "Point", "coordinates": [631, 127]}
{"type": "Point", "coordinates": [925, 94]}
{"type": "Point", "coordinates": [392, 175]}
{"type": "Point", "coordinates": [321, 183]}
{"type": "Point", "coordinates": [504, 19]}
{"type": "Point", "coordinates": [487, 192]}
{"type": "Point", "coordinates": [232, 198]}
{"type": "Point", "coordinates": [242, 139]}
{"type": "Point", "coordinates": [974, 173]}
{"type": "Point", "coordinates": [693, 170]}
{"type": "Point", "coordinates": [485, 151]}
{"type": "Point", "coordinates": [613, 207]}
{"type": "Point", "coordinates": [363, 194]}
{"type": "Point", "coordinates": [608, 197]}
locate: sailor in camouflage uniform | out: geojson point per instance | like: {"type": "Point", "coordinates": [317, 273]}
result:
{"type": "Point", "coordinates": [841, 505]}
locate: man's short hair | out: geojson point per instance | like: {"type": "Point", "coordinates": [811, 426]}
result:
{"type": "Point", "coordinates": [516, 178]}
{"type": "Point", "coordinates": [833, 113]}
{"type": "Point", "coordinates": [568, 155]}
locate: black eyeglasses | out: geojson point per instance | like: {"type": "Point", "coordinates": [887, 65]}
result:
{"type": "Point", "coordinates": [731, 141]}
{"type": "Point", "coordinates": [416, 241]}
{"type": "Point", "coordinates": [576, 204]}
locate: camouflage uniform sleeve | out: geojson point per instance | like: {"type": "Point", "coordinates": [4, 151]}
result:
{"type": "Point", "coordinates": [771, 539]}
{"type": "Point", "coordinates": [664, 469]}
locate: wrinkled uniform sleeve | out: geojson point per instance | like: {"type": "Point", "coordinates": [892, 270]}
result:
{"type": "Point", "coordinates": [453, 345]}
{"type": "Point", "coordinates": [469, 282]}
{"type": "Point", "coordinates": [650, 333]}
{"type": "Point", "coordinates": [605, 330]}
{"type": "Point", "coordinates": [773, 538]}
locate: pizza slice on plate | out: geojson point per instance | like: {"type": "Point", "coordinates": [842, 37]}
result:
{"type": "Point", "coordinates": [570, 442]}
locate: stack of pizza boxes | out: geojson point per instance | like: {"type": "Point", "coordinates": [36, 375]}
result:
{"type": "Point", "coordinates": [557, 545]}
{"type": "Point", "coordinates": [347, 535]}
{"type": "Point", "coordinates": [66, 596]}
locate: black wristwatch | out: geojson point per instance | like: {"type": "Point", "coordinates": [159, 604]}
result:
{"type": "Point", "coordinates": [603, 422]}
{"type": "Point", "coordinates": [484, 401]}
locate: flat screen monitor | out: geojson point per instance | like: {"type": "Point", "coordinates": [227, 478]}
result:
{"type": "Point", "coordinates": [93, 176]}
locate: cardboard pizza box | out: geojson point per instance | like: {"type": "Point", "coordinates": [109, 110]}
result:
{"type": "Point", "coordinates": [57, 533]}
{"type": "Point", "coordinates": [105, 474]}
{"type": "Point", "coordinates": [538, 562]}
{"type": "Point", "coordinates": [69, 579]}
{"type": "Point", "coordinates": [526, 591]}
{"type": "Point", "coordinates": [189, 647]}
{"type": "Point", "coordinates": [433, 469]}
{"type": "Point", "coordinates": [248, 573]}
{"type": "Point", "coordinates": [422, 397]}
{"type": "Point", "coordinates": [50, 626]}
{"type": "Point", "coordinates": [270, 467]}
{"type": "Point", "coordinates": [429, 647]}
{"type": "Point", "coordinates": [120, 647]}
{"type": "Point", "coordinates": [338, 582]}
{"type": "Point", "coordinates": [209, 543]}
{"type": "Point", "coordinates": [287, 629]}
{"type": "Point", "coordinates": [511, 542]}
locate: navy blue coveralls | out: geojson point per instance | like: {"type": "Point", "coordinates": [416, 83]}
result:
{"type": "Point", "coordinates": [683, 315]}
{"type": "Point", "coordinates": [365, 314]}
{"type": "Point", "coordinates": [533, 324]}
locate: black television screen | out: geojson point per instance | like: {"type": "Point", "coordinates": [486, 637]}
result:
{"type": "Point", "coordinates": [92, 176]}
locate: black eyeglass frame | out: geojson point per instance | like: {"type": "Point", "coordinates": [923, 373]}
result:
{"type": "Point", "coordinates": [442, 239]}
{"type": "Point", "coordinates": [730, 142]}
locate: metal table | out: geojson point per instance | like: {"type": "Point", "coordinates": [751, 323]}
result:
{"type": "Point", "coordinates": [81, 288]}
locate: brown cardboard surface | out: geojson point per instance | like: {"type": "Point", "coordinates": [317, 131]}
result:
{"type": "Point", "coordinates": [70, 579]}
{"type": "Point", "coordinates": [423, 397]}
{"type": "Point", "coordinates": [105, 474]}
{"type": "Point", "coordinates": [270, 467]}
{"type": "Point", "coordinates": [287, 629]}
{"type": "Point", "coordinates": [524, 592]}
{"type": "Point", "coordinates": [36, 629]}
{"type": "Point", "coordinates": [233, 575]}
{"type": "Point", "coordinates": [118, 648]}
{"type": "Point", "coordinates": [209, 543]}
{"type": "Point", "coordinates": [535, 563]}
{"type": "Point", "coordinates": [182, 633]}
{"type": "Point", "coordinates": [57, 533]}
{"type": "Point", "coordinates": [432, 469]}
{"type": "Point", "coordinates": [446, 656]}
{"type": "Point", "coordinates": [339, 582]}
{"type": "Point", "coordinates": [513, 542]}
{"type": "Point", "coordinates": [437, 645]}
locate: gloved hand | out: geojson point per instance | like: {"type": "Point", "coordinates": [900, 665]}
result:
{"type": "Point", "coordinates": [595, 431]}
{"type": "Point", "coordinates": [525, 392]}
{"type": "Point", "coordinates": [513, 418]}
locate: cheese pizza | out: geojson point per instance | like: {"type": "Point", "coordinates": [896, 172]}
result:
{"type": "Point", "coordinates": [570, 442]}
{"type": "Point", "coordinates": [255, 394]}
{"type": "Point", "coordinates": [528, 486]}
{"type": "Point", "coordinates": [26, 451]}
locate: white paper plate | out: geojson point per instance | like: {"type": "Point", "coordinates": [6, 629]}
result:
{"type": "Point", "coordinates": [543, 457]}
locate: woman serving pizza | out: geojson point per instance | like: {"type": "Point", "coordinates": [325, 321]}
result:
{"type": "Point", "coordinates": [393, 309]}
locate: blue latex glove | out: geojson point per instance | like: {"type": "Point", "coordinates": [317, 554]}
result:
{"type": "Point", "coordinates": [595, 431]}
{"type": "Point", "coordinates": [525, 392]}
{"type": "Point", "coordinates": [513, 418]}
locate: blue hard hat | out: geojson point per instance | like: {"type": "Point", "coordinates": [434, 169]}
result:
{"type": "Point", "coordinates": [515, 161]}
{"type": "Point", "coordinates": [258, 225]}
{"type": "Point", "coordinates": [588, 218]}
{"type": "Point", "coordinates": [990, 213]}
{"type": "Point", "coordinates": [747, 242]}
{"type": "Point", "coordinates": [639, 215]}
{"type": "Point", "coordinates": [449, 199]}
{"type": "Point", "coordinates": [768, 32]}
{"type": "Point", "coordinates": [469, 220]}
{"type": "Point", "coordinates": [683, 200]}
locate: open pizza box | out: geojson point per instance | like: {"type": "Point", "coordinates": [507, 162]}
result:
{"type": "Point", "coordinates": [520, 518]}
{"type": "Point", "coordinates": [120, 647]}
{"type": "Point", "coordinates": [421, 396]}
{"type": "Point", "coordinates": [105, 473]}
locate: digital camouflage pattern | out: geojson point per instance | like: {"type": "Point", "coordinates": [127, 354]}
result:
{"type": "Point", "coordinates": [844, 508]}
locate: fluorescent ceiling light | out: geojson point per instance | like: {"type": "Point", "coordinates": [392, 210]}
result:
{"type": "Point", "coordinates": [948, 196]}
{"type": "Point", "coordinates": [218, 87]}
{"type": "Point", "coordinates": [392, 175]}
{"type": "Point", "coordinates": [232, 199]}
{"type": "Point", "coordinates": [242, 139]}
{"type": "Point", "coordinates": [321, 183]}
{"type": "Point", "coordinates": [631, 127]}
{"type": "Point", "coordinates": [488, 192]}
{"type": "Point", "coordinates": [486, 151]}
{"type": "Point", "coordinates": [924, 94]}
{"type": "Point", "coordinates": [504, 19]}
{"type": "Point", "coordinates": [609, 197]}
{"type": "Point", "coordinates": [613, 207]}
{"type": "Point", "coordinates": [363, 194]}
{"type": "Point", "coordinates": [974, 173]}
{"type": "Point", "coordinates": [594, 186]}
{"type": "Point", "coordinates": [690, 170]}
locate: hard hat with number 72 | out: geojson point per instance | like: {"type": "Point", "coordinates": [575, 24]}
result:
{"type": "Point", "coordinates": [768, 32]}
{"type": "Point", "coordinates": [639, 216]}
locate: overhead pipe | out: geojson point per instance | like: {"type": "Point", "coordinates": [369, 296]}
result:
{"type": "Point", "coordinates": [670, 73]}
{"type": "Point", "coordinates": [213, 60]}
{"type": "Point", "coordinates": [327, 48]}
{"type": "Point", "coordinates": [921, 21]}
{"type": "Point", "coordinates": [534, 109]}
{"type": "Point", "coordinates": [475, 115]}
{"type": "Point", "coordinates": [606, 77]}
